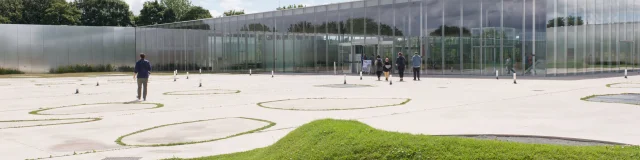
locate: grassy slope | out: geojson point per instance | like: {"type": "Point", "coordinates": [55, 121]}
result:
{"type": "Point", "coordinates": [337, 139]}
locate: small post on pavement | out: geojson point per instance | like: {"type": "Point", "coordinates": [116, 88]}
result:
{"type": "Point", "coordinates": [390, 79]}
{"type": "Point", "coordinates": [514, 78]}
{"type": "Point", "coordinates": [187, 75]}
{"type": "Point", "coordinates": [360, 75]}
{"type": "Point", "coordinates": [271, 73]}
{"type": "Point", "coordinates": [345, 79]}
{"type": "Point", "coordinates": [625, 73]}
{"type": "Point", "coordinates": [249, 72]}
{"type": "Point", "coordinates": [497, 74]}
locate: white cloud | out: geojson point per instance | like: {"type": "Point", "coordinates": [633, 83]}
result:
{"type": "Point", "coordinates": [215, 13]}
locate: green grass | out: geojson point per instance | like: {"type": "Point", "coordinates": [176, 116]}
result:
{"type": "Point", "coordinates": [38, 112]}
{"type": "Point", "coordinates": [42, 120]}
{"type": "Point", "coordinates": [262, 104]}
{"type": "Point", "coordinates": [119, 140]}
{"type": "Point", "coordinates": [339, 139]}
{"type": "Point", "coordinates": [6, 71]}
{"type": "Point", "coordinates": [183, 94]}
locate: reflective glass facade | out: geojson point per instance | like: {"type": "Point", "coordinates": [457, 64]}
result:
{"type": "Point", "coordinates": [39, 48]}
{"type": "Point", "coordinates": [454, 37]}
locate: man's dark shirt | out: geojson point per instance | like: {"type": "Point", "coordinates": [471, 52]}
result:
{"type": "Point", "coordinates": [143, 68]}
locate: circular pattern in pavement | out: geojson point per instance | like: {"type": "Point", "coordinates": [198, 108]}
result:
{"type": "Point", "coordinates": [203, 92]}
{"type": "Point", "coordinates": [329, 104]}
{"type": "Point", "coordinates": [543, 140]}
{"type": "Point", "coordinates": [194, 132]}
{"type": "Point", "coordinates": [96, 108]}
{"type": "Point", "coordinates": [43, 122]}
{"type": "Point", "coordinates": [344, 85]}
{"type": "Point", "coordinates": [625, 98]}
{"type": "Point", "coordinates": [624, 85]}
{"type": "Point", "coordinates": [55, 84]}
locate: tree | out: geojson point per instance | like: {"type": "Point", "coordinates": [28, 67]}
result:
{"type": "Point", "coordinates": [290, 7]}
{"type": "Point", "coordinates": [552, 22]}
{"type": "Point", "coordinates": [34, 10]}
{"type": "Point", "coordinates": [104, 12]}
{"type": "Point", "coordinates": [61, 13]}
{"type": "Point", "coordinates": [11, 11]}
{"type": "Point", "coordinates": [4, 20]}
{"type": "Point", "coordinates": [169, 16]}
{"type": "Point", "coordinates": [233, 12]}
{"type": "Point", "coordinates": [196, 12]}
{"type": "Point", "coordinates": [179, 7]}
{"type": "Point", "coordinates": [450, 31]}
{"type": "Point", "coordinates": [152, 13]}
{"type": "Point", "coordinates": [575, 21]}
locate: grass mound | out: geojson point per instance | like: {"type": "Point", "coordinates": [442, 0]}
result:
{"type": "Point", "coordinates": [4, 71]}
{"type": "Point", "coordinates": [339, 139]}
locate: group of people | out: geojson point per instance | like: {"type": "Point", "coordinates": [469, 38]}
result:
{"type": "Point", "coordinates": [386, 66]}
{"type": "Point", "coordinates": [142, 70]}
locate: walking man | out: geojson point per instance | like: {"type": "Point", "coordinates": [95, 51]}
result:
{"type": "Point", "coordinates": [379, 66]}
{"type": "Point", "coordinates": [141, 72]}
{"type": "Point", "coordinates": [509, 65]}
{"type": "Point", "coordinates": [401, 62]}
{"type": "Point", "coordinates": [416, 62]}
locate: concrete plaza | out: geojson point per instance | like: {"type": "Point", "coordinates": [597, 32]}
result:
{"type": "Point", "coordinates": [234, 104]}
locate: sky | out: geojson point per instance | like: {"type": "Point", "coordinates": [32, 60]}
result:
{"type": "Point", "coordinates": [217, 7]}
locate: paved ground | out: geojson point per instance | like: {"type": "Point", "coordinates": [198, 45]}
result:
{"type": "Point", "coordinates": [438, 106]}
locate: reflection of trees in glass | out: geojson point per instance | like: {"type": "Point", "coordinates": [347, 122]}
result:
{"type": "Point", "coordinates": [570, 21]}
{"type": "Point", "coordinates": [299, 27]}
{"type": "Point", "coordinates": [359, 27]}
{"type": "Point", "coordinates": [255, 27]}
{"type": "Point", "coordinates": [451, 31]}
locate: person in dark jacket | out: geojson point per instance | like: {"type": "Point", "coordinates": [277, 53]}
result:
{"type": "Point", "coordinates": [386, 68]}
{"type": "Point", "coordinates": [379, 66]}
{"type": "Point", "coordinates": [401, 62]}
{"type": "Point", "coordinates": [142, 72]}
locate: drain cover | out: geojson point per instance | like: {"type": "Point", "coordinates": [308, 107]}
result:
{"type": "Point", "coordinates": [122, 158]}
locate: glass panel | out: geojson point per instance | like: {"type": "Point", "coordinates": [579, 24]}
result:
{"type": "Point", "coordinates": [513, 35]}
{"type": "Point", "coordinates": [434, 24]}
{"type": "Point", "coordinates": [491, 11]}
{"type": "Point", "coordinates": [540, 47]}
{"type": "Point", "coordinates": [345, 49]}
{"type": "Point", "coordinates": [590, 24]}
{"type": "Point", "coordinates": [470, 40]}
{"type": "Point", "coordinates": [386, 31]}
{"type": "Point", "coordinates": [452, 32]}
{"type": "Point", "coordinates": [333, 40]}
{"type": "Point", "coordinates": [320, 23]}
{"type": "Point", "coordinates": [357, 31]}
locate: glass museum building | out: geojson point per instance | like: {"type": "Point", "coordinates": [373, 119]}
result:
{"type": "Point", "coordinates": [453, 37]}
